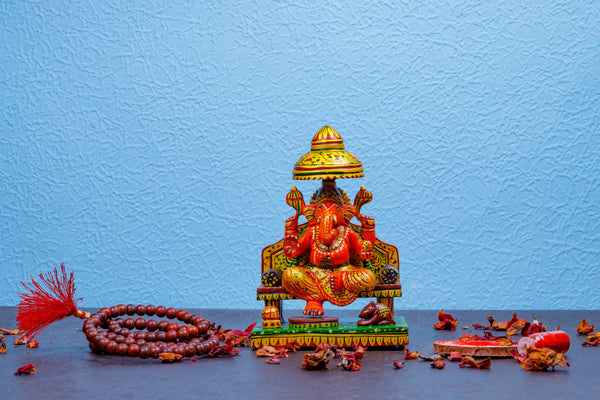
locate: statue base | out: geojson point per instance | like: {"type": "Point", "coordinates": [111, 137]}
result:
{"type": "Point", "coordinates": [346, 334]}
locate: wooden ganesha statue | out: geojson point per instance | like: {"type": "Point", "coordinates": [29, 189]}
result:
{"type": "Point", "coordinates": [337, 266]}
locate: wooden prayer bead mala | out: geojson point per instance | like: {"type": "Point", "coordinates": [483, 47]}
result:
{"type": "Point", "coordinates": [110, 334]}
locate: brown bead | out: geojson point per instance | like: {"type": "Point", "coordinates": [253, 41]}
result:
{"type": "Point", "coordinates": [144, 352]}
{"type": "Point", "coordinates": [102, 344]}
{"type": "Point", "coordinates": [203, 326]}
{"type": "Point", "coordinates": [179, 314]}
{"type": "Point", "coordinates": [91, 333]}
{"type": "Point", "coordinates": [111, 347]}
{"type": "Point", "coordinates": [139, 335]}
{"type": "Point", "coordinates": [173, 326]}
{"type": "Point", "coordinates": [181, 349]}
{"type": "Point", "coordinates": [130, 309]}
{"type": "Point", "coordinates": [171, 313]}
{"type": "Point", "coordinates": [133, 350]}
{"type": "Point", "coordinates": [122, 349]}
{"type": "Point", "coordinates": [183, 334]}
{"type": "Point", "coordinates": [161, 311]}
{"type": "Point", "coordinates": [125, 332]}
{"type": "Point", "coordinates": [162, 325]}
{"type": "Point", "coordinates": [193, 331]}
{"type": "Point", "coordinates": [119, 321]}
{"type": "Point", "coordinates": [129, 341]}
{"type": "Point", "coordinates": [195, 319]}
{"type": "Point", "coordinates": [93, 347]}
{"type": "Point", "coordinates": [140, 324]}
{"type": "Point", "coordinates": [122, 309]}
{"type": "Point", "coordinates": [141, 342]}
{"type": "Point", "coordinates": [190, 350]}
{"type": "Point", "coordinates": [171, 336]}
{"type": "Point", "coordinates": [150, 310]}
{"type": "Point", "coordinates": [119, 339]}
{"type": "Point", "coordinates": [161, 336]}
{"type": "Point", "coordinates": [106, 310]}
{"type": "Point", "coordinates": [111, 336]}
{"type": "Point", "coordinates": [141, 309]}
{"type": "Point", "coordinates": [154, 351]}
{"type": "Point", "coordinates": [150, 337]}
{"type": "Point", "coordinates": [98, 337]}
{"type": "Point", "coordinates": [152, 325]}
{"type": "Point", "coordinates": [129, 323]}
{"type": "Point", "coordinates": [114, 311]}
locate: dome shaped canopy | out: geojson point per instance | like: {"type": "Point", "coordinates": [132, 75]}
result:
{"type": "Point", "coordinates": [327, 158]}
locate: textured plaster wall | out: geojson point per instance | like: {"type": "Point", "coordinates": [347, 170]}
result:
{"type": "Point", "coordinates": [149, 145]}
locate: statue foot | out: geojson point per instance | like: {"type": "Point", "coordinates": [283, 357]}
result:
{"type": "Point", "coordinates": [335, 281]}
{"type": "Point", "coordinates": [313, 308]}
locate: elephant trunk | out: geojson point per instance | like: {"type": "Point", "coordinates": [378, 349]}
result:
{"type": "Point", "coordinates": [328, 229]}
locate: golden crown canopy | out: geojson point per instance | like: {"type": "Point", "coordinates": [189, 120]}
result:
{"type": "Point", "coordinates": [327, 159]}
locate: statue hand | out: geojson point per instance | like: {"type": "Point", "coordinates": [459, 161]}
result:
{"type": "Point", "coordinates": [366, 221]}
{"type": "Point", "coordinates": [291, 224]}
{"type": "Point", "coordinates": [366, 250]}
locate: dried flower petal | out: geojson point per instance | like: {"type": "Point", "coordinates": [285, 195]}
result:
{"type": "Point", "coordinates": [33, 344]}
{"type": "Point", "coordinates": [446, 321]}
{"type": "Point", "coordinates": [455, 356]}
{"type": "Point", "coordinates": [410, 356]}
{"type": "Point", "coordinates": [266, 351]}
{"type": "Point", "coordinates": [469, 361]}
{"type": "Point", "coordinates": [541, 359]}
{"type": "Point", "coordinates": [170, 357]}
{"type": "Point", "coordinates": [3, 348]}
{"type": "Point", "coordinates": [10, 331]}
{"type": "Point", "coordinates": [26, 370]}
{"type": "Point", "coordinates": [439, 364]}
{"type": "Point", "coordinates": [398, 364]}
{"type": "Point", "coordinates": [592, 340]}
{"type": "Point", "coordinates": [585, 328]}
{"type": "Point", "coordinates": [320, 358]}
{"type": "Point", "coordinates": [434, 357]}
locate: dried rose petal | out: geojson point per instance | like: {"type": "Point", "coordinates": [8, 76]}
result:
{"type": "Point", "coordinates": [266, 351]}
{"type": "Point", "coordinates": [33, 344]}
{"type": "Point", "coordinates": [469, 361]}
{"type": "Point", "coordinates": [585, 328]}
{"type": "Point", "coordinates": [320, 358]}
{"type": "Point", "coordinates": [3, 348]}
{"type": "Point", "coordinates": [26, 369]}
{"type": "Point", "coordinates": [446, 321]}
{"type": "Point", "coordinates": [479, 326]}
{"type": "Point", "coordinates": [10, 331]}
{"type": "Point", "coordinates": [455, 356]}
{"type": "Point", "coordinates": [542, 359]}
{"type": "Point", "coordinates": [410, 356]}
{"type": "Point", "coordinates": [592, 340]}
{"type": "Point", "coordinates": [398, 364]}
{"type": "Point", "coordinates": [439, 364]}
{"type": "Point", "coordinates": [170, 357]}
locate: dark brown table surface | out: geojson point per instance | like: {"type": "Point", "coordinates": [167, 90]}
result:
{"type": "Point", "coordinates": [67, 369]}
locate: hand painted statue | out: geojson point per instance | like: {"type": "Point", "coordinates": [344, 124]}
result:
{"type": "Point", "coordinates": [334, 270]}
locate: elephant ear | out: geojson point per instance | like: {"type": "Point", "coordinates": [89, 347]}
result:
{"type": "Point", "coordinates": [309, 213]}
{"type": "Point", "coordinates": [348, 213]}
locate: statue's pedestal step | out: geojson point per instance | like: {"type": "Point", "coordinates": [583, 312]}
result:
{"type": "Point", "coordinates": [346, 334]}
{"type": "Point", "coordinates": [312, 322]}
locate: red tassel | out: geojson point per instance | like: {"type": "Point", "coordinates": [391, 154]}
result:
{"type": "Point", "coordinates": [46, 303]}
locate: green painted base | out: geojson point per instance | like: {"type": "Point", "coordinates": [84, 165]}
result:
{"type": "Point", "coordinates": [345, 335]}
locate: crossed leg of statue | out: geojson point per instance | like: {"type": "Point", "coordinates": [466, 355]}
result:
{"type": "Point", "coordinates": [340, 286]}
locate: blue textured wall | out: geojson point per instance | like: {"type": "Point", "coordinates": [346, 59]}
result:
{"type": "Point", "coordinates": [149, 145]}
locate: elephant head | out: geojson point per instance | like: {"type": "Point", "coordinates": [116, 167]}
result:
{"type": "Point", "coordinates": [329, 209]}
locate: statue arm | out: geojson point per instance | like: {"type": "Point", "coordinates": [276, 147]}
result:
{"type": "Point", "coordinates": [293, 246]}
